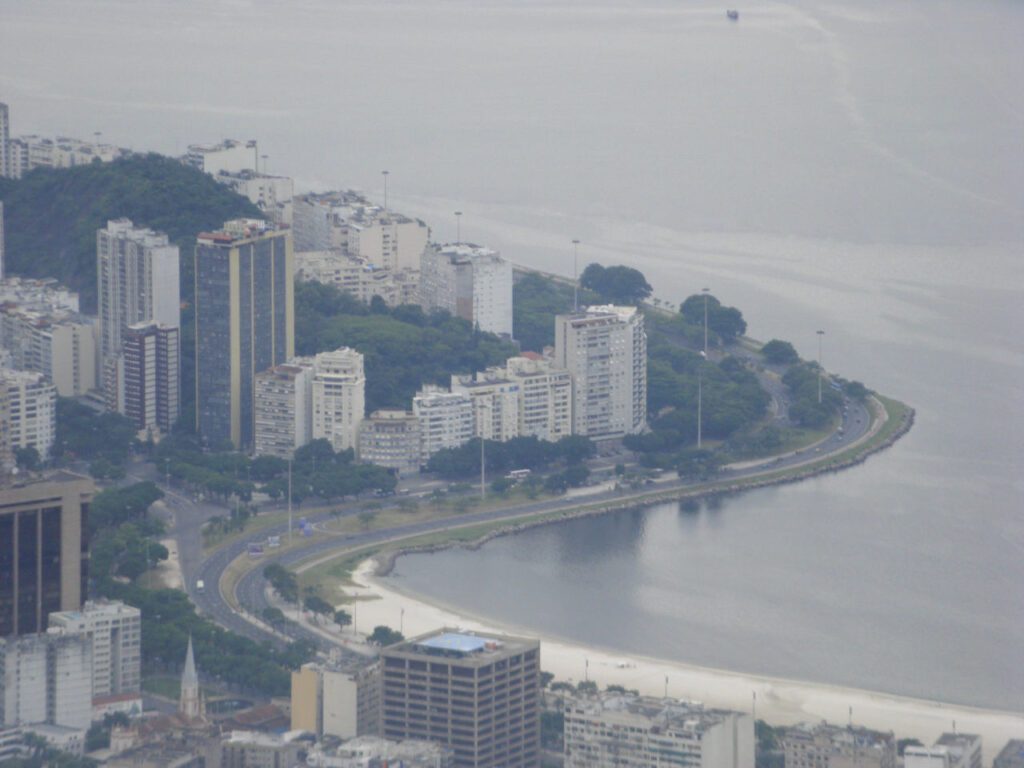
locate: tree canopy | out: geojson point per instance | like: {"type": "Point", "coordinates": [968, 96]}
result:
{"type": "Point", "coordinates": [403, 347]}
{"type": "Point", "coordinates": [618, 284]}
{"type": "Point", "coordinates": [779, 352]}
{"type": "Point", "coordinates": [727, 322]}
{"type": "Point", "coordinates": [52, 214]}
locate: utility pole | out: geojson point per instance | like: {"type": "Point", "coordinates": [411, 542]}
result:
{"type": "Point", "coordinates": [820, 368]}
{"type": "Point", "coordinates": [705, 292]}
{"type": "Point", "coordinates": [575, 276]}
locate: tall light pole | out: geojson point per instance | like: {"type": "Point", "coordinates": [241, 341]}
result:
{"type": "Point", "coordinates": [575, 276]}
{"type": "Point", "coordinates": [289, 502]}
{"type": "Point", "coordinates": [264, 164]}
{"type": "Point", "coordinates": [458, 227]}
{"type": "Point", "coordinates": [705, 292]}
{"type": "Point", "coordinates": [700, 383]}
{"type": "Point", "coordinates": [483, 464]}
{"type": "Point", "coordinates": [385, 174]}
{"type": "Point", "coordinates": [820, 368]}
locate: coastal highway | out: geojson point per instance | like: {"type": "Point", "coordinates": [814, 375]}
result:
{"type": "Point", "coordinates": [251, 589]}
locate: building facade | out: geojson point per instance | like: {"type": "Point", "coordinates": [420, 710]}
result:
{"type": "Point", "coordinates": [149, 372]}
{"type": "Point", "coordinates": [228, 156]}
{"type": "Point", "coordinates": [391, 438]}
{"type": "Point", "coordinates": [495, 402]}
{"type": "Point", "coordinates": [644, 732]}
{"type": "Point", "coordinates": [57, 343]}
{"type": "Point", "coordinates": [337, 699]}
{"type": "Point", "coordinates": [471, 282]}
{"type": "Point", "coordinates": [115, 631]}
{"type": "Point", "coordinates": [446, 419]}
{"type": "Point", "coordinates": [46, 678]}
{"type": "Point", "coordinates": [283, 408]}
{"type": "Point", "coordinates": [605, 350]}
{"type": "Point", "coordinates": [28, 412]}
{"type": "Point", "coordinates": [339, 397]}
{"type": "Point", "coordinates": [43, 551]}
{"type": "Point", "coordinates": [244, 312]}
{"type": "Point", "coordinates": [479, 695]}
{"type": "Point", "coordinates": [824, 745]}
{"type": "Point", "coordinates": [138, 282]}
{"type": "Point", "coordinates": [950, 750]}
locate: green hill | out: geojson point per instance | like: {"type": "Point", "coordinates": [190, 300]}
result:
{"type": "Point", "coordinates": [51, 215]}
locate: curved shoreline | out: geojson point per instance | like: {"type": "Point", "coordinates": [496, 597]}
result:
{"type": "Point", "coordinates": [385, 560]}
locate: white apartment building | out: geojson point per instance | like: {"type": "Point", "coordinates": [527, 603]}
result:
{"type": "Point", "coordinates": [28, 412]}
{"type": "Point", "coordinates": [283, 408]}
{"type": "Point", "coordinates": [951, 750]}
{"type": "Point", "coordinates": [545, 396]}
{"type": "Point", "coordinates": [59, 344]}
{"type": "Point", "coordinates": [823, 745]}
{"type": "Point", "coordinates": [605, 349]}
{"type": "Point", "coordinates": [471, 282]}
{"type": "Point", "coordinates": [357, 276]}
{"type": "Point", "coordinates": [115, 632]}
{"type": "Point", "coordinates": [337, 698]}
{"type": "Point", "coordinates": [339, 397]}
{"type": "Point", "coordinates": [228, 156]}
{"type": "Point", "coordinates": [137, 273]}
{"type": "Point", "coordinates": [385, 239]}
{"type": "Point", "coordinates": [46, 678]}
{"type": "Point", "coordinates": [43, 295]}
{"type": "Point", "coordinates": [25, 153]}
{"type": "Point", "coordinates": [446, 418]}
{"type": "Point", "coordinates": [391, 438]}
{"type": "Point", "coordinates": [271, 194]}
{"type": "Point", "coordinates": [495, 403]}
{"type": "Point", "coordinates": [646, 732]}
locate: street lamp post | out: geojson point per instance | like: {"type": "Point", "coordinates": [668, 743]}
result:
{"type": "Point", "coordinates": [705, 292]}
{"type": "Point", "coordinates": [385, 174]}
{"type": "Point", "coordinates": [700, 386]}
{"type": "Point", "coordinates": [458, 227]}
{"type": "Point", "coordinates": [820, 368]}
{"type": "Point", "coordinates": [575, 276]}
{"type": "Point", "coordinates": [264, 164]}
{"type": "Point", "coordinates": [289, 502]}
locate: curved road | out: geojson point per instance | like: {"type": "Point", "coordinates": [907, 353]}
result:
{"type": "Point", "coordinates": [250, 590]}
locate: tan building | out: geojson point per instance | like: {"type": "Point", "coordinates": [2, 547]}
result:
{"type": "Point", "coordinates": [337, 699]}
{"type": "Point", "coordinates": [43, 555]}
{"type": "Point", "coordinates": [249, 749]}
{"type": "Point", "coordinates": [834, 746]}
{"type": "Point", "coordinates": [478, 694]}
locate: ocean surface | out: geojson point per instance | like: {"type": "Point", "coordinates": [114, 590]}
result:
{"type": "Point", "coordinates": [851, 167]}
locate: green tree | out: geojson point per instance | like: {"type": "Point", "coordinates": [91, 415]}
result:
{"type": "Point", "coordinates": [619, 284]}
{"type": "Point", "coordinates": [779, 352]}
{"type": "Point", "coordinates": [342, 618]}
{"type": "Point", "coordinates": [383, 635]}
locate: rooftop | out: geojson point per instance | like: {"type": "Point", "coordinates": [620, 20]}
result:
{"type": "Point", "coordinates": [455, 643]}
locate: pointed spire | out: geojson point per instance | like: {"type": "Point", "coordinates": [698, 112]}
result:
{"type": "Point", "coordinates": [189, 678]}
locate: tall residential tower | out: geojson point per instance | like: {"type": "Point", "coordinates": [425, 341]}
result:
{"type": "Point", "coordinates": [244, 310]}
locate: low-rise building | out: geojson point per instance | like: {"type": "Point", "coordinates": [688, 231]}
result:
{"type": "Point", "coordinates": [249, 749]}
{"type": "Point", "coordinates": [391, 438]}
{"type": "Point", "coordinates": [824, 745]}
{"type": "Point", "coordinates": [951, 750]}
{"type": "Point", "coordinates": [228, 156]}
{"type": "Point", "coordinates": [647, 732]}
{"type": "Point", "coordinates": [1011, 755]}
{"type": "Point", "coordinates": [375, 752]}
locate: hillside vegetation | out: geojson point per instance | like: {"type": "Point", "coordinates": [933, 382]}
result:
{"type": "Point", "coordinates": [51, 215]}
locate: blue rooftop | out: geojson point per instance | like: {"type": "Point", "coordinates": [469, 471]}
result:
{"type": "Point", "coordinates": [453, 641]}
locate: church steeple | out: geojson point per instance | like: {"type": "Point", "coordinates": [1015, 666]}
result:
{"type": "Point", "coordinates": [190, 703]}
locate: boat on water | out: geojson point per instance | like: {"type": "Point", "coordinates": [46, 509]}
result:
{"type": "Point", "coordinates": [734, 15]}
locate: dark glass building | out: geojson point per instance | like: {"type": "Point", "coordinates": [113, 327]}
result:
{"type": "Point", "coordinates": [43, 555]}
{"type": "Point", "coordinates": [244, 310]}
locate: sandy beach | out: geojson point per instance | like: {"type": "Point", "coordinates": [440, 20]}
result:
{"type": "Point", "coordinates": [778, 701]}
